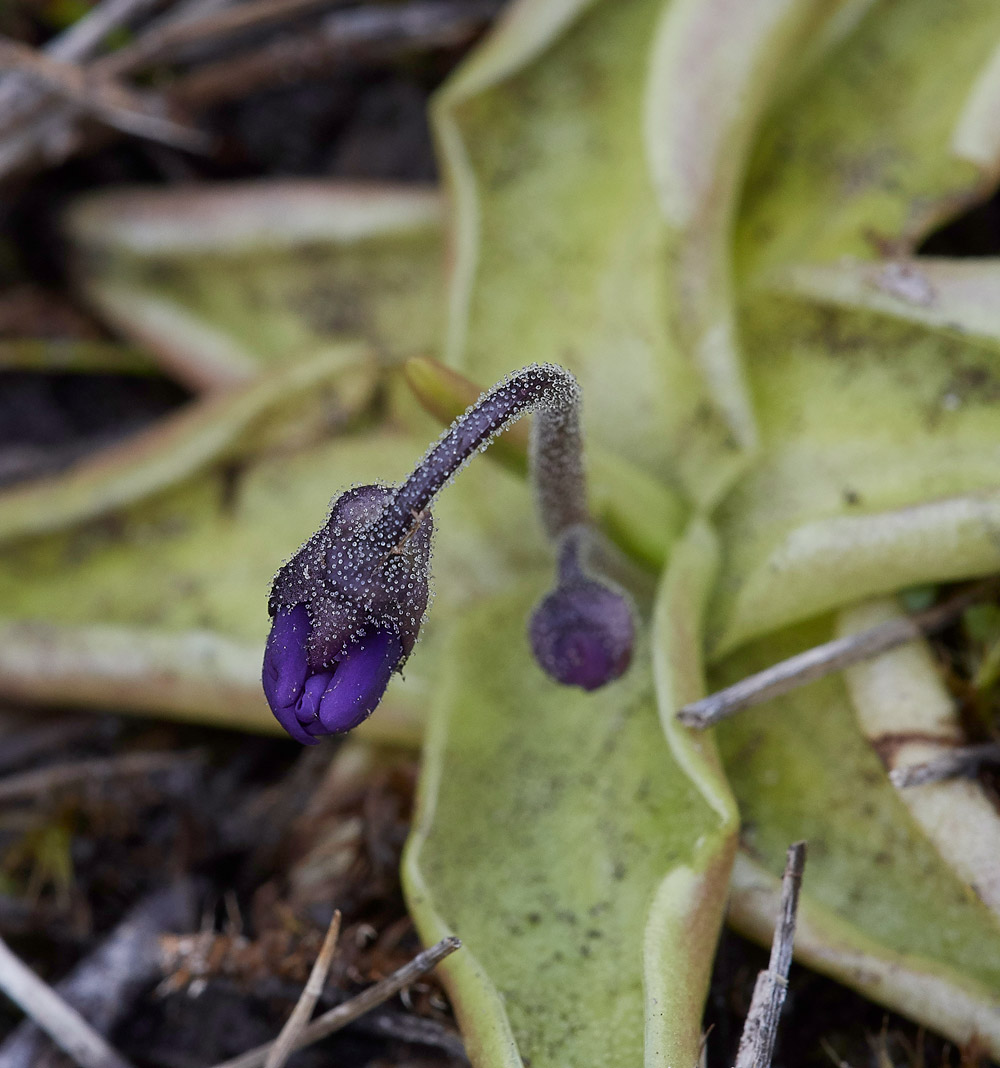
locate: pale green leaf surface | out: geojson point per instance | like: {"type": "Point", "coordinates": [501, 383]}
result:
{"type": "Point", "coordinates": [223, 282]}
{"type": "Point", "coordinates": [877, 470]}
{"type": "Point", "coordinates": [801, 770]}
{"type": "Point", "coordinates": [594, 173]}
{"type": "Point", "coordinates": [580, 854]}
{"type": "Point", "coordinates": [954, 297]}
{"type": "Point", "coordinates": [874, 384]}
{"type": "Point", "coordinates": [559, 243]}
{"type": "Point", "coordinates": [863, 156]}
{"type": "Point", "coordinates": [715, 67]}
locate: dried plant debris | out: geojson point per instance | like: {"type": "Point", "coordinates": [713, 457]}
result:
{"type": "Point", "coordinates": [823, 1022]}
{"type": "Point", "coordinates": [74, 92]}
{"type": "Point", "coordinates": [156, 817]}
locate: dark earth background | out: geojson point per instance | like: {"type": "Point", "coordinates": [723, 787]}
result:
{"type": "Point", "coordinates": [196, 821]}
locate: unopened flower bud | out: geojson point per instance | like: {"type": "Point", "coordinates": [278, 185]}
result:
{"type": "Point", "coordinates": [347, 609]}
{"type": "Point", "coordinates": [582, 633]}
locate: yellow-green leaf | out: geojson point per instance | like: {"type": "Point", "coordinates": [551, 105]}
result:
{"type": "Point", "coordinates": [224, 281]}
{"type": "Point", "coordinates": [580, 853]}
{"type": "Point", "coordinates": [877, 468]}
{"type": "Point", "coordinates": [894, 131]}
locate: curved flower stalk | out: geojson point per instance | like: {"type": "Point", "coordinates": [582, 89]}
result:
{"type": "Point", "coordinates": [348, 606]}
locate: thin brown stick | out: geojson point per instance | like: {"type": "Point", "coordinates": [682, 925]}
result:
{"type": "Point", "coordinates": [106, 984]}
{"type": "Point", "coordinates": [37, 125]}
{"type": "Point", "coordinates": [964, 760]}
{"type": "Point", "coordinates": [63, 1024]}
{"type": "Point", "coordinates": [162, 42]}
{"type": "Point", "coordinates": [19, 96]}
{"type": "Point", "coordinates": [48, 132]}
{"type": "Point", "coordinates": [104, 99]}
{"type": "Point", "coordinates": [342, 1015]}
{"type": "Point", "coordinates": [284, 1044]}
{"type": "Point", "coordinates": [761, 1028]}
{"type": "Point", "coordinates": [375, 31]}
{"type": "Point", "coordinates": [826, 659]}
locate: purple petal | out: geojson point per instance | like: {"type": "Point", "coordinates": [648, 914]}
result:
{"type": "Point", "coordinates": [582, 634]}
{"type": "Point", "coordinates": [307, 706]}
{"type": "Point", "coordinates": [301, 717]}
{"type": "Point", "coordinates": [285, 667]}
{"type": "Point", "coordinates": [359, 681]}
{"type": "Point", "coordinates": [286, 717]}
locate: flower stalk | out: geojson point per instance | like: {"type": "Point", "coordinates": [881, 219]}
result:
{"type": "Point", "coordinates": [348, 606]}
{"type": "Point", "coordinates": [556, 449]}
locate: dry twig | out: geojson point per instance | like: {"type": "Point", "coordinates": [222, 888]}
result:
{"type": "Point", "coordinates": [372, 31]}
{"type": "Point", "coordinates": [46, 131]}
{"type": "Point", "coordinates": [162, 42]}
{"type": "Point", "coordinates": [62, 1023]}
{"type": "Point", "coordinates": [284, 1044]}
{"type": "Point", "coordinates": [761, 1028]}
{"type": "Point", "coordinates": [827, 658]}
{"type": "Point", "coordinates": [344, 1014]}
{"type": "Point", "coordinates": [102, 98]}
{"type": "Point", "coordinates": [88, 32]}
{"type": "Point", "coordinates": [19, 96]}
{"type": "Point", "coordinates": [107, 982]}
{"type": "Point", "coordinates": [37, 126]}
{"type": "Point", "coordinates": [964, 760]}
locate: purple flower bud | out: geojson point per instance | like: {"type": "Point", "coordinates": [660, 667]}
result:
{"type": "Point", "coordinates": [582, 634]}
{"type": "Point", "coordinates": [347, 609]}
